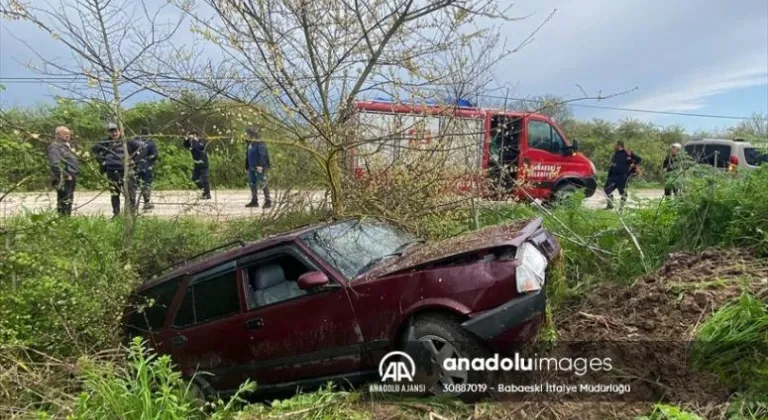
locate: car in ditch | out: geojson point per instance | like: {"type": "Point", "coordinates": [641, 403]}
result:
{"type": "Point", "coordinates": [328, 302]}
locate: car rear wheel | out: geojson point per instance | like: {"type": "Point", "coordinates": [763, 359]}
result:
{"type": "Point", "coordinates": [440, 337]}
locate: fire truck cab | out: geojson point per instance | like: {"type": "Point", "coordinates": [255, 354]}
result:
{"type": "Point", "coordinates": [521, 154]}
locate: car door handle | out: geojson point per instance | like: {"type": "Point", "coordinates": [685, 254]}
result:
{"type": "Point", "coordinates": [255, 323]}
{"type": "Point", "coordinates": [178, 341]}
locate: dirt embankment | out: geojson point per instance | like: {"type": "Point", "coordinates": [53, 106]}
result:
{"type": "Point", "coordinates": [648, 327]}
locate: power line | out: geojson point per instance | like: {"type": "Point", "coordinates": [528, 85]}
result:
{"type": "Point", "coordinates": [79, 78]}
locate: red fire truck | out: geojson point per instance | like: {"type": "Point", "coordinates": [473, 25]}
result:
{"type": "Point", "coordinates": [522, 154]}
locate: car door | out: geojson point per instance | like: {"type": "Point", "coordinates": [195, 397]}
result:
{"type": "Point", "coordinates": [544, 158]}
{"type": "Point", "coordinates": [204, 334]}
{"type": "Point", "coordinates": [294, 334]}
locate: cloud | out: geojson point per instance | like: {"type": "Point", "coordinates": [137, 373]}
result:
{"type": "Point", "coordinates": [692, 95]}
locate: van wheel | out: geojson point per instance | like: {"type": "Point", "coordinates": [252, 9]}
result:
{"type": "Point", "coordinates": [563, 193]}
{"type": "Point", "coordinates": [435, 338]}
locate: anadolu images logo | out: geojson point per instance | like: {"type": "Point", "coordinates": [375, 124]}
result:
{"type": "Point", "coordinates": [397, 370]}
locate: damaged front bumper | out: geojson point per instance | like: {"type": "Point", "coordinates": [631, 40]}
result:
{"type": "Point", "coordinates": [510, 319]}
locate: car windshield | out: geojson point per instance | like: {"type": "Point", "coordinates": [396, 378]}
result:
{"type": "Point", "coordinates": [352, 246]}
{"type": "Point", "coordinates": [754, 157]}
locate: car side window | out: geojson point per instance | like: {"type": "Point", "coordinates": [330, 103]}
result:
{"type": "Point", "coordinates": [274, 279]}
{"type": "Point", "coordinates": [543, 136]}
{"type": "Point", "coordinates": [209, 299]}
{"type": "Point", "coordinates": [150, 307]}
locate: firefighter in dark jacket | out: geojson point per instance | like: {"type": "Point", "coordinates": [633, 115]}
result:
{"type": "Point", "coordinates": [145, 158]}
{"type": "Point", "coordinates": [111, 157]}
{"type": "Point", "coordinates": [257, 165]}
{"type": "Point", "coordinates": [197, 147]}
{"type": "Point", "coordinates": [623, 165]}
{"type": "Point", "coordinates": [64, 169]}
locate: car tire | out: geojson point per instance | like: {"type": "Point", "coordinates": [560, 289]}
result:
{"type": "Point", "coordinates": [440, 331]}
{"type": "Point", "coordinates": [200, 391]}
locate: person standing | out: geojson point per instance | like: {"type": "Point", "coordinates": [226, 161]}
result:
{"type": "Point", "coordinates": [623, 164]}
{"type": "Point", "coordinates": [65, 167]}
{"type": "Point", "coordinates": [257, 165]}
{"type": "Point", "coordinates": [110, 155]}
{"type": "Point", "coordinates": [672, 165]}
{"type": "Point", "coordinates": [146, 156]}
{"type": "Point", "coordinates": [197, 147]}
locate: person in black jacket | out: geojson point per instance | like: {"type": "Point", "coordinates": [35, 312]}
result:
{"type": "Point", "coordinates": [257, 165]}
{"type": "Point", "coordinates": [623, 165]}
{"type": "Point", "coordinates": [110, 155]}
{"type": "Point", "coordinates": [64, 169]}
{"type": "Point", "coordinates": [145, 158]}
{"type": "Point", "coordinates": [197, 147]}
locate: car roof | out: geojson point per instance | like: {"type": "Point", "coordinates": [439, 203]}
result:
{"type": "Point", "coordinates": [719, 141]}
{"type": "Point", "coordinates": [189, 268]}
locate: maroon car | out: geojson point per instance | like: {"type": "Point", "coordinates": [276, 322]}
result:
{"type": "Point", "coordinates": [327, 302]}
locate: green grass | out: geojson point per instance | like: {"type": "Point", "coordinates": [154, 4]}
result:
{"type": "Point", "coordinates": [732, 343]}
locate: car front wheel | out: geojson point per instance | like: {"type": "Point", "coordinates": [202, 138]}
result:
{"type": "Point", "coordinates": [437, 338]}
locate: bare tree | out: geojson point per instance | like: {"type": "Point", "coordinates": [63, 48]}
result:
{"type": "Point", "coordinates": [306, 62]}
{"type": "Point", "coordinates": [755, 128]}
{"type": "Point", "coordinates": [109, 41]}
{"type": "Point", "coordinates": [553, 106]}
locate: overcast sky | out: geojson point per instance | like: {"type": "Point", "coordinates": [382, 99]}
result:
{"type": "Point", "coordinates": [691, 56]}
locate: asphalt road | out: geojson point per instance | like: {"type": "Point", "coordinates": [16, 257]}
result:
{"type": "Point", "coordinates": [224, 203]}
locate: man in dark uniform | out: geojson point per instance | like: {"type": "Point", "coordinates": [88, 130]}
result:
{"type": "Point", "coordinates": [197, 147]}
{"type": "Point", "coordinates": [257, 164]}
{"type": "Point", "coordinates": [64, 169]}
{"type": "Point", "coordinates": [145, 158]}
{"type": "Point", "coordinates": [110, 155]}
{"type": "Point", "coordinates": [623, 165]}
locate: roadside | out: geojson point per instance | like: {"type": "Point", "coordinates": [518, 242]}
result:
{"type": "Point", "coordinates": [224, 203]}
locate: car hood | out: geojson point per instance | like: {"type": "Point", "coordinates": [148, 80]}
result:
{"type": "Point", "coordinates": [512, 234]}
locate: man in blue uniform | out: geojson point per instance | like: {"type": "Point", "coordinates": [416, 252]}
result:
{"type": "Point", "coordinates": [111, 157]}
{"type": "Point", "coordinates": [257, 165]}
{"type": "Point", "coordinates": [145, 158]}
{"type": "Point", "coordinates": [623, 165]}
{"type": "Point", "coordinates": [197, 147]}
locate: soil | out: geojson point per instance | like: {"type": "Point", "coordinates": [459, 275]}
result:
{"type": "Point", "coordinates": [645, 328]}
{"type": "Point", "coordinates": [648, 326]}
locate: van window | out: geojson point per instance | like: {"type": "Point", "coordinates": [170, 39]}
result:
{"type": "Point", "coordinates": [543, 136]}
{"type": "Point", "coordinates": [209, 300]}
{"type": "Point", "coordinates": [710, 154]}
{"type": "Point", "coordinates": [754, 157]}
{"type": "Point", "coordinates": [718, 155]}
{"type": "Point", "coordinates": [149, 308]}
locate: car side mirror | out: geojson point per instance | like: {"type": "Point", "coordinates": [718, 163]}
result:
{"type": "Point", "coordinates": [312, 280]}
{"type": "Point", "coordinates": [575, 145]}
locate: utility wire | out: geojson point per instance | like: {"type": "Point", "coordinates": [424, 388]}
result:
{"type": "Point", "coordinates": [76, 78]}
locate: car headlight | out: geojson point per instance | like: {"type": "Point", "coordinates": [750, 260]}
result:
{"type": "Point", "coordinates": [533, 266]}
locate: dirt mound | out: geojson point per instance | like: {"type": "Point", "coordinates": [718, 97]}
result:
{"type": "Point", "coordinates": [647, 327]}
{"type": "Point", "coordinates": [666, 305]}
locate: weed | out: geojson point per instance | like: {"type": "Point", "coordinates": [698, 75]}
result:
{"type": "Point", "coordinates": [732, 344]}
{"type": "Point", "coordinates": [670, 412]}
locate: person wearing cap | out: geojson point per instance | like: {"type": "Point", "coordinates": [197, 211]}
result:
{"type": "Point", "coordinates": [257, 165]}
{"type": "Point", "coordinates": [110, 155]}
{"type": "Point", "coordinates": [623, 165]}
{"type": "Point", "coordinates": [197, 147]}
{"type": "Point", "coordinates": [146, 156]}
{"type": "Point", "coordinates": [672, 164]}
{"type": "Point", "coordinates": [65, 167]}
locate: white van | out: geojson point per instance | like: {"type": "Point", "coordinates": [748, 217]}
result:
{"type": "Point", "coordinates": [727, 154]}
